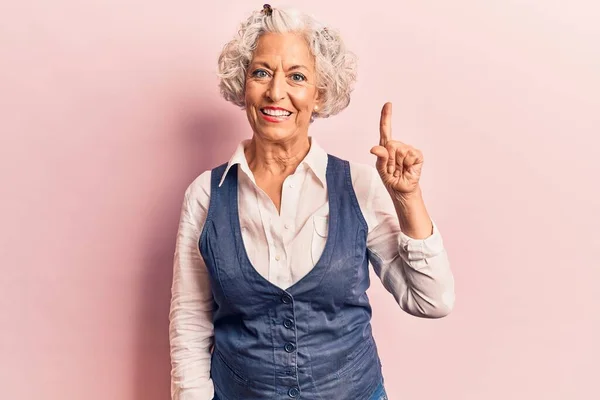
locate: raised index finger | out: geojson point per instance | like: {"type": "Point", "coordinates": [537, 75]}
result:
{"type": "Point", "coordinates": [385, 124]}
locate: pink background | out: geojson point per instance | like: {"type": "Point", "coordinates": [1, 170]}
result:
{"type": "Point", "coordinates": [109, 110]}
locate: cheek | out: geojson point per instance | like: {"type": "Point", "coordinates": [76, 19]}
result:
{"type": "Point", "coordinates": [250, 101]}
{"type": "Point", "coordinates": [252, 92]}
{"type": "Point", "coordinates": [303, 100]}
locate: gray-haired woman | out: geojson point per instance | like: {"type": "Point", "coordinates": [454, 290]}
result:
{"type": "Point", "coordinates": [272, 258]}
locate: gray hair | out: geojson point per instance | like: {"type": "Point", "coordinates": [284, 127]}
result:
{"type": "Point", "coordinates": [335, 65]}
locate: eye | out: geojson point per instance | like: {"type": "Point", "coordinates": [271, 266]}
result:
{"type": "Point", "coordinates": [260, 73]}
{"type": "Point", "coordinates": [298, 77]}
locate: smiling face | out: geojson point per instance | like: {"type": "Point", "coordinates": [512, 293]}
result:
{"type": "Point", "coordinates": [281, 91]}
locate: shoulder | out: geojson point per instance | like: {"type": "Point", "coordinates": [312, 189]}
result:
{"type": "Point", "coordinates": [197, 195]}
{"type": "Point", "coordinates": [364, 179]}
{"type": "Point", "coordinates": [362, 173]}
{"type": "Point", "coordinates": [196, 201]}
{"type": "Point", "coordinates": [200, 187]}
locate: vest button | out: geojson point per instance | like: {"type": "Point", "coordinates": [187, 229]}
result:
{"type": "Point", "coordinates": [286, 298]}
{"type": "Point", "coordinates": [288, 323]}
{"type": "Point", "coordinates": [289, 347]}
{"type": "Point", "coordinates": [293, 392]}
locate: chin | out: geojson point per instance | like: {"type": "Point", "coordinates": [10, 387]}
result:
{"type": "Point", "coordinates": [275, 133]}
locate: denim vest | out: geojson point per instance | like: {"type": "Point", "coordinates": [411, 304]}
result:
{"type": "Point", "coordinates": [311, 341]}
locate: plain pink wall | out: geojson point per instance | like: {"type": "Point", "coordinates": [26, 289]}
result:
{"type": "Point", "coordinates": [110, 109]}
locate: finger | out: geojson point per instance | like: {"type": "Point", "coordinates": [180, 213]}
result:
{"type": "Point", "coordinates": [413, 157]}
{"type": "Point", "coordinates": [391, 161]}
{"type": "Point", "coordinates": [401, 154]}
{"type": "Point", "coordinates": [382, 158]}
{"type": "Point", "coordinates": [410, 160]}
{"type": "Point", "coordinates": [400, 157]}
{"type": "Point", "coordinates": [385, 124]}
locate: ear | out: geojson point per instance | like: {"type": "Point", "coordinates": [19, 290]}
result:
{"type": "Point", "coordinates": [318, 100]}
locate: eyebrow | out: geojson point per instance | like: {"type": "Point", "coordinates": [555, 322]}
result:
{"type": "Point", "coordinates": [265, 64]}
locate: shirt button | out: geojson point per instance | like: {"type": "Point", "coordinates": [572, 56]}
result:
{"type": "Point", "coordinates": [291, 185]}
{"type": "Point", "coordinates": [289, 347]}
{"type": "Point", "coordinates": [288, 323]}
{"type": "Point", "coordinates": [286, 298]}
{"type": "Point", "coordinates": [293, 392]}
{"type": "Point", "coordinates": [277, 257]}
{"type": "Point", "coordinates": [286, 226]}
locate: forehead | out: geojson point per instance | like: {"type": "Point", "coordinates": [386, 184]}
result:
{"type": "Point", "coordinates": [284, 48]}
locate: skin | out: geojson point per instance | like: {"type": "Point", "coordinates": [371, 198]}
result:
{"type": "Point", "coordinates": [273, 80]}
{"type": "Point", "coordinates": [282, 74]}
{"type": "Point", "coordinates": [399, 166]}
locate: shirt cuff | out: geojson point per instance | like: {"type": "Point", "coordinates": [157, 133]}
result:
{"type": "Point", "coordinates": [421, 249]}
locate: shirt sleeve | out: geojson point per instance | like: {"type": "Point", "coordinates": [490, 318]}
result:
{"type": "Point", "coordinates": [190, 318]}
{"type": "Point", "coordinates": [415, 271]}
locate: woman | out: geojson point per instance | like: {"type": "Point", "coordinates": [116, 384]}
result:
{"type": "Point", "coordinates": [272, 259]}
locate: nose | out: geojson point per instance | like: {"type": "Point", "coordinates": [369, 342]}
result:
{"type": "Point", "coordinates": [276, 89]}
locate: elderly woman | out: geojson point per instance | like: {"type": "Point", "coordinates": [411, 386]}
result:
{"type": "Point", "coordinates": [271, 266]}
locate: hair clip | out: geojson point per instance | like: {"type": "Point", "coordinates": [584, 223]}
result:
{"type": "Point", "coordinates": [267, 10]}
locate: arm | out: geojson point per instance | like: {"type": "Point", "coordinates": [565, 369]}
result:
{"type": "Point", "coordinates": [416, 271]}
{"type": "Point", "coordinates": [191, 328]}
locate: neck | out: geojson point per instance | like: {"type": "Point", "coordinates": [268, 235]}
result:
{"type": "Point", "coordinates": [276, 158]}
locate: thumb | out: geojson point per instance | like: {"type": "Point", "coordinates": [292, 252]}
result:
{"type": "Point", "coordinates": [382, 157]}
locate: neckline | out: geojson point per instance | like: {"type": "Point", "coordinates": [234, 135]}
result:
{"type": "Point", "coordinates": [242, 254]}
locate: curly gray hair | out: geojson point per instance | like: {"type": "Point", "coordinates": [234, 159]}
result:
{"type": "Point", "coordinates": [335, 65]}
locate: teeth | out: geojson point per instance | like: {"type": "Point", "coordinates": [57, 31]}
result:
{"type": "Point", "coordinates": [276, 113]}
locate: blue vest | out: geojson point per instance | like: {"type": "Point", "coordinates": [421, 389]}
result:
{"type": "Point", "coordinates": [311, 341]}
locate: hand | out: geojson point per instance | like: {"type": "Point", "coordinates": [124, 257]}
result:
{"type": "Point", "coordinates": [399, 165]}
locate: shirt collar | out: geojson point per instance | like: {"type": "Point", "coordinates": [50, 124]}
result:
{"type": "Point", "coordinates": [238, 157]}
{"type": "Point", "coordinates": [315, 160]}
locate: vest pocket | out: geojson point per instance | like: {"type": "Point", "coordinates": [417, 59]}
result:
{"type": "Point", "coordinates": [232, 385]}
{"type": "Point", "coordinates": [355, 359]}
{"type": "Point", "coordinates": [221, 368]}
{"type": "Point", "coordinates": [363, 372]}
{"type": "Point", "coordinates": [319, 237]}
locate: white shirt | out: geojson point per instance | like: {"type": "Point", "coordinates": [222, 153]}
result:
{"type": "Point", "coordinates": [285, 246]}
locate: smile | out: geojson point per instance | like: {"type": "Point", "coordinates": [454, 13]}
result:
{"type": "Point", "coordinates": [275, 114]}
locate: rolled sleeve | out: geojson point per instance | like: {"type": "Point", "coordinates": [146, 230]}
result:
{"type": "Point", "coordinates": [414, 251]}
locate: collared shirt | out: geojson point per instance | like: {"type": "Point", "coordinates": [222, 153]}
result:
{"type": "Point", "coordinates": [284, 246]}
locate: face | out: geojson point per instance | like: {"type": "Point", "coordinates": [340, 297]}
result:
{"type": "Point", "coordinates": [280, 90]}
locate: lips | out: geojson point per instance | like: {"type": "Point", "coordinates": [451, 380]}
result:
{"type": "Point", "coordinates": [275, 112]}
